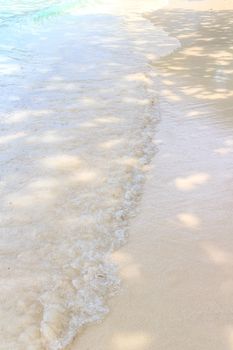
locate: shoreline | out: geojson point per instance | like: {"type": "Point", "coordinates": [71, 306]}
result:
{"type": "Point", "coordinates": [176, 267]}
{"type": "Point", "coordinates": [77, 122]}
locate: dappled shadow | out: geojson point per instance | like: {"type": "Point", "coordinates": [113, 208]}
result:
{"type": "Point", "coordinates": [75, 140]}
{"type": "Point", "coordinates": [77, 122]}
{"type": "Point", "coordinates": [204, 62]}
{"type": "Point", "coordinates": [180, 264]}
{"type": "Point", "coordinates": [193, 217]}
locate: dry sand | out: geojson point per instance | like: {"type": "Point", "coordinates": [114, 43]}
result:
{"type": "Point", "coordinates": [177, 268]}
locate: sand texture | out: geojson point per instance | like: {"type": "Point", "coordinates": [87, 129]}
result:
{"type": "Point", "coordinates": [177, 266]}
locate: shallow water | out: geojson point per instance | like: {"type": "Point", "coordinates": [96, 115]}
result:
{"type": "Point", "coordinates": [78, 107]}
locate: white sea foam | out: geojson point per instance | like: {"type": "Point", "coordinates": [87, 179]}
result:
{"type": "Point", "coordinates": [76, 137]}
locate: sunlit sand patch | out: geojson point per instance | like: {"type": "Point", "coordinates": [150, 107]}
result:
{"type": "Point", "coordinates": [194, 90]}
{"type": "Point", "coordinates": [131, 341]}
{"type": "Point", "coordinates": [222, 54]}
{"type": "Point", "coordinates": [22, 115]}
{"type": "Point", "coordinates": [62, 162]}
{"type": "Point", "coordinates": [193, 51]}
{"type": "Point", "coordinates": [129, 161]}
{"type": "Point", "coordinates": [107, 120]}
{"type": "Point", "coordinates": [229, 336]}
{"type": "Point", "coordinates": [189, 220]}
{"type": "Point", "coordinates": [46, 182]}
{"type": "Point", "coordinates": [83, 176]}
{"type": "Point", "coordinates": [205, 95]}
{"type": "Point", "coordinates": [111, 143]}
{"type": "Point", "coordinates": [191, 182]}
{"type": "Point", "coordinates": [131, 272]}
{"type": "Point", "coordinates": [217, 255]}
{"type": "Point", "coordinates": [228, 148]}
{"type": "Point", "coordinates": [229, 142]}
{"type": "Point", "coordinates": [88, 125]}
{"type": "Point", "coordinates": [167, 82]}
{"type": "Point", "coordinates": [12, 137]}
{"type": "Point", "coordinates": [194, 114]}
{"type": "Point", "coordinates": [224, 150]}
{"type": "Point", "coordinates": [122, 258]}
{"type": "Point", "coordinates": [129, 269]}
{"type": "Point", "coordinates": [139, 77]}
{"type": "Point", "coordinates": [171, 95]}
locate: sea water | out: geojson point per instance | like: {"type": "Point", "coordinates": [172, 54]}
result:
{"type": "Point", "coordinates": [78, 108]}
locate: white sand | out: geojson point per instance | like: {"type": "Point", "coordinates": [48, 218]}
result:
{"type": "Point", "coordinates": [177, 267]}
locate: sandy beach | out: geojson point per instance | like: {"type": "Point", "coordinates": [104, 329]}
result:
{"type": "Point", "coordinates": [177, 266]}
{"type": "Point", "coordinates": [116, 176]}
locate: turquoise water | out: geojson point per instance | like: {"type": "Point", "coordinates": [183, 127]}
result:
{"type": "Point", "coordinates": [20, 11]}
{"type": "Point", "coordinates": [23, 23]}
{"type": "Point", "coordinates": [20, 18]}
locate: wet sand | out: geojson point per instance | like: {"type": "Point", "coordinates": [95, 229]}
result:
{"type": "Point", "coordinates": [177, 266]}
